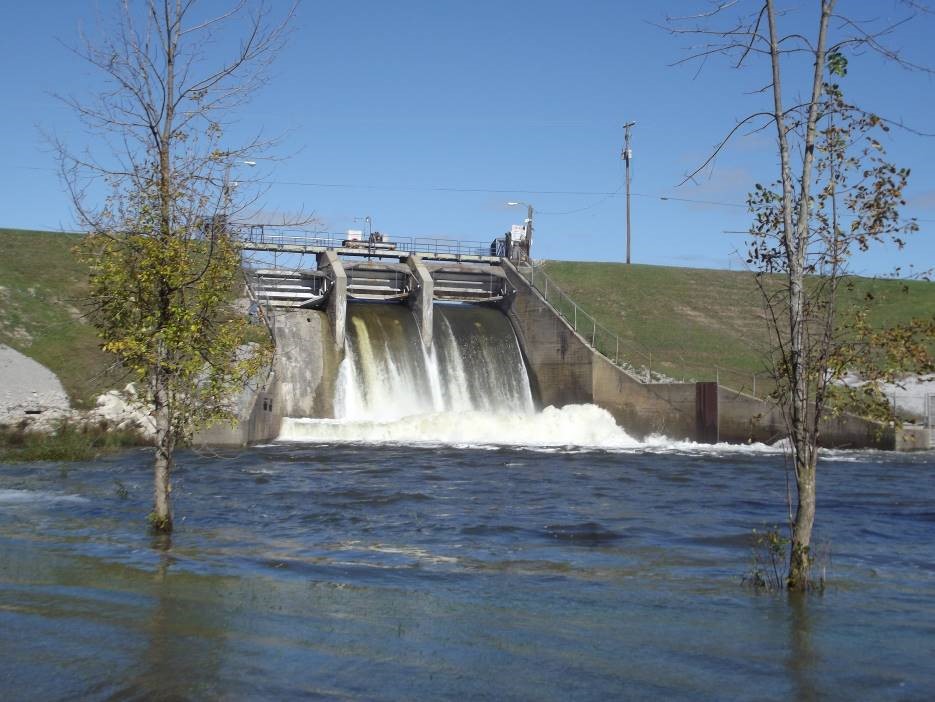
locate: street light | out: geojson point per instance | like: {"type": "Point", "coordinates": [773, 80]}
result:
{"type": "Point", "coordinates": [227, 174]}
{"type": "Point", "coordinates": [226, 186]}
{"type": "Point", "coordinates": [369, 222]}
{"type": "Point", "coordinates": [528, 245]}
{"type": "Point", "coordinates": [369, 225]}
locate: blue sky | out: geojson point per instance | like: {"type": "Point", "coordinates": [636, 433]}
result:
{"type": "Point", "coordinates": [430, 115]}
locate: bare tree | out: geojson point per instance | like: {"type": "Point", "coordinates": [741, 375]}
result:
{"type": "Point", "coordinates": [153, 188]}
{"type": "Point", "coordinates": [835, 194]}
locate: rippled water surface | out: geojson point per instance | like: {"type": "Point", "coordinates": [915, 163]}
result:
{"type": "Point", "coordinates": [301, 571]}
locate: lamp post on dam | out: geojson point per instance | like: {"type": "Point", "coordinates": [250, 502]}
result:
{"type": "Point", "coordinates": [527, 246]}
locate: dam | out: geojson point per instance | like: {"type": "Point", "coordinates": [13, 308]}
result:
{"type": "Point", "coordinates": [444, 342]}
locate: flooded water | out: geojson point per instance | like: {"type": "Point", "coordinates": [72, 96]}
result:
{"type": "Point", "coordinates": [380, 572]}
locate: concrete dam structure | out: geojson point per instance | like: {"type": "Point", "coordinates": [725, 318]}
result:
{"type": "Point", "coordinates": [466, 351]}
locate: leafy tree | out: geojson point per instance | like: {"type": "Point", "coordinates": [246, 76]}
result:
{"type": "Point", "coordinates": [835, 195]}
{"type": "Point", "coordinates": [164, 266]}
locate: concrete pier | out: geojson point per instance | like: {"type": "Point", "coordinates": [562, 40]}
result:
{"type": "Point", "coordinates": [330, 263]}
{"type": "Point", "coordinates": [421, 296]}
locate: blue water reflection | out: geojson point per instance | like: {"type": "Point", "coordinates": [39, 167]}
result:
{"type": "Point", "coordinates": [303, 571]}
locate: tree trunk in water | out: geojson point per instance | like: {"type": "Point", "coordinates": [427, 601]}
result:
{"type": "Point", "coordinates": [800, 557]}
{"type": "Point", "coordinates": [161, 518]}
{"type": "Point", "coordinates": [795, 245]}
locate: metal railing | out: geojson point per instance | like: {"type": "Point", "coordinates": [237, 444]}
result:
{"type": "Point", "coordinates": [626, 353]}
{"type": "Point", "coordinates": [267, 235]}
{"type": "Point", "coordinates": [598, 337]}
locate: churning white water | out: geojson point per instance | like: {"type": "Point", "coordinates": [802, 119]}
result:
{"type": "Point", "coordinates": [469, 388]}
{"type": "Point", "coordinates": [573, 425]}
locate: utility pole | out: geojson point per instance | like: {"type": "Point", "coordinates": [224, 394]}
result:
{"type": "Point", "coordinates": [626, 156]}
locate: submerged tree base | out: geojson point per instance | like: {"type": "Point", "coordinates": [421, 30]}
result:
{"type": "Point", "coordinates": [769, 571]}
{"type": "Point", "coordinates": [160, 524]}
{"type": "Point", "coordinates": [800, 563]}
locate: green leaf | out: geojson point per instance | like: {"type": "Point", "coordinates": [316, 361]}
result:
{"type": "Point", "coordinates": [837, 64]}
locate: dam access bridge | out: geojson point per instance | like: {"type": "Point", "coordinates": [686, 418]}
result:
{"type": "Point", "coordinates": [413, 270]}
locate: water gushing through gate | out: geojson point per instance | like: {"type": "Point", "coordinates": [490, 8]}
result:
{"type": "Point", "coordinates": [474, 364]}
{"type": "Point", "coordinates": [470, 387]}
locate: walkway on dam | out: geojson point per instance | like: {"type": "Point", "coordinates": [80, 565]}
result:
{"type": "Point", "coordinates": [297, 241]}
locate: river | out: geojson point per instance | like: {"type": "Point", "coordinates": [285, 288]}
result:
{"type": "Point", "coordinates": [362, 571]}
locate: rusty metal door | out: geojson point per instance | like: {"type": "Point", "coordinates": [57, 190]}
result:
{"type": "Point", "coordinates": [706, 413]}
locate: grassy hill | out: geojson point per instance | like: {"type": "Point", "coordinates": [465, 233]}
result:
{"type": "Point", "coordinates": [691, 320]}
{"type": "Point", "coordinates": [41, 289]}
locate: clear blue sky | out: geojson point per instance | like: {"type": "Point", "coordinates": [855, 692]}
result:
{"type": "Point", "coordinates": [430, 115]}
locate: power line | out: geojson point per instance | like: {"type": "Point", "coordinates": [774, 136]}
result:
{"type": "Point", "coordinates": [491, 191]}
{"type": "Point", "coordinates": [469, 189]}
{"type": "Point", "coordinates": [502, 191]}
{"type": "Point", "coordinates": [586, 207]}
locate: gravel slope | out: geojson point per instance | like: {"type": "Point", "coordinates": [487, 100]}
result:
{"type": "Point", "coordinates": [28, 387]}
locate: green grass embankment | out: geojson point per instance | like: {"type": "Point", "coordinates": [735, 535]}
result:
{"type": "Point", "coordinates": [692, 320]}
{"type": "Point", "coordinates": [42, 287]}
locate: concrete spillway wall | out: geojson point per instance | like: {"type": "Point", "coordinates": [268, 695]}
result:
{"type": "Point", "coordinates": [299, 384]}
{"type": "Point", "coordinates": [565, 369]}
{"type": "Point", "coordinates": [306, 364]}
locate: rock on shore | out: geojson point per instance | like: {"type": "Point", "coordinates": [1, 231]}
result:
{"type": "Point", "coordinates": [32, 395]}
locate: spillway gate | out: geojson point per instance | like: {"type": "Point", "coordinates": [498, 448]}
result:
{"type": "Point", "coordinates": [418, 279]}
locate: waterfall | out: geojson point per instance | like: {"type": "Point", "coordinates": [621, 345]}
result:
{"type": "Point", "coordinates": [474, 364]}
{"type": "Point", "coordinates": [469, 387]}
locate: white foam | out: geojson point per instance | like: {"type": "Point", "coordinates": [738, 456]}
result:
{"type": "Point", "coordinates": [663, 444]}
{"type": "Point", "coordinates": [573, 427]}
{"type": "Point", "coordinates": [27, 496]}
